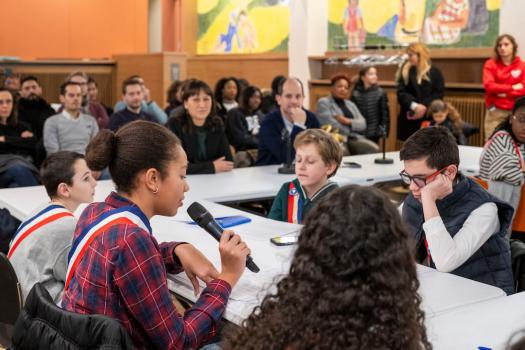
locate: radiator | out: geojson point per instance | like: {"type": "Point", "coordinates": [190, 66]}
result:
{"type": "Point", "coordinates": [472, 110]}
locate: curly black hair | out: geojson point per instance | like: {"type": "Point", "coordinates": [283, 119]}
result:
{"type": "Point", "coordinates": [352, 283]}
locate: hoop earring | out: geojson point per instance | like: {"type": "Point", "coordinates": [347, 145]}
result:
{"type": "Point", "coordinates": [156, 190]}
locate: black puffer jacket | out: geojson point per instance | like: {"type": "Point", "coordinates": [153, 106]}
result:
{"type": "Point", "coordinates": [43, 325]}
{"type": "Point", "coordinates": [373, 105]}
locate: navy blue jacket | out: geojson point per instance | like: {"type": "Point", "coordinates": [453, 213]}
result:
{"type": "Point", "coordinates": [491, 263]}
{"type": "Point", "coordinates": [273, 138]}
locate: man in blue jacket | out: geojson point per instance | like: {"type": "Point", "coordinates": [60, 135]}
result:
{"type": "Point", "coordinates": [284, 123]}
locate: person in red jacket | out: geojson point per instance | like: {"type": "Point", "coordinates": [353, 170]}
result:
{"type": "Point", "coordinates": [503, 80]}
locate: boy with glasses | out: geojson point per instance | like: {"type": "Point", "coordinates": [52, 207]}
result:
{"type": "Point", "coordinates": [458, 226]}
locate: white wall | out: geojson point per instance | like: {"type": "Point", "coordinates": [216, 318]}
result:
{"type": "Point", "coordinates": [308, 37]}
{"type": "Point", "coordinates": [511, 17]}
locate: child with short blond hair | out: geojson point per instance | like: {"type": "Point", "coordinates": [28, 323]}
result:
{"type": "Point", "coordinates": [317, 158]}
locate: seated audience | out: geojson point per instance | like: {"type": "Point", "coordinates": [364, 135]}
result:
{"type": "Point", "coordinates": [132, 95]}
{"type": "Point", "coordinates": [121, 272]}
{"type": "Point", "coordinates": [457, 226]}
{"type": "Point", "coordinates": [269, 100]}
{"type": "Point", "coordinates": [174, 98]}
{"type": "Point", "coordinates": [12, 82]}
{"type": "Point", "coordinates": [34, 110]}
{"type": "Point", "coordinates": [316, 160]}
{"type": "Point", "coordinates": [201, 132]}
{"type": "Point", "coordinates": [226, 96]}
{"type": "Point", "coordinates": [446, 115]}
{"type": "Point", "coordinates": [243, 124]}
{"type": "Point", "coordinates": [501, 163]}
{"type": "Point", "coordinates": [343, 116]}
{"type": "Point", "coordinates": [372, 102]}
{"type": "Point", "coordinates": [280, 127]}
{"type": "Point", "coordinates": [70, 130]}
{"type": "Point", "coordinates": [148, 105]}
{"type": "Point", "coordinates": [92, 88]}
{"type": "Point", "coordinates": [39, 249]}
{"type": "Point", "coordinates": [352, 283]}
{"type": "Point", "coordinates": [90, 107]}
{"type": "Point", "coordinates": [17, 146]}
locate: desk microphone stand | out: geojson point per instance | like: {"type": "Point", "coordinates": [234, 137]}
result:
{"type": "Point", "coordinates": [383, 160]}
{"type": "Point", "coordinates": [287, 168]}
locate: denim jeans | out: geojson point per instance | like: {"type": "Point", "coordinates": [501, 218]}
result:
{"type": "Point", "coordinates": [17, 176]}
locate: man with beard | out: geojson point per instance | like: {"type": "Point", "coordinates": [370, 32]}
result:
{"type": "Point", "coordinates": [93, 108]}
{"type": "Point", "coordinates": [34, 110]}
{"type": "Point", "coordinates": [133, 95]}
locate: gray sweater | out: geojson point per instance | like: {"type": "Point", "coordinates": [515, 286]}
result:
{"type": "Point", "coordinates": [65, 134]}
{"type": "Point", "coordinates": [42, 256]}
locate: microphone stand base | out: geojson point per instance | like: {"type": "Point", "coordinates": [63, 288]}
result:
{"type": "Point", "coordinates": [285, 169]}
{"type": "Point", "coordinates": [384, 161]}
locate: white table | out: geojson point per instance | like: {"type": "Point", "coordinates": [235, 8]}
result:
{"type": "Point", "coordinates": [441, 292]}
{"type": "Point", "coordinates": [489, 324]}
{"type": "Point", "coordinates": [246, 183]}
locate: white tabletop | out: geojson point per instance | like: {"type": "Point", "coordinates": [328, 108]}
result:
{"type": "Point", "coordinates": [440, 292]}
{"type": "Point", "coordinates": [489, 324]}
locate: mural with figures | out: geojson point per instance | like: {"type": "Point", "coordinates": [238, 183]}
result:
{"type": "Point", "coordinates": [243, 26]}
{"type": "Point", "coordinates": [353, 24]}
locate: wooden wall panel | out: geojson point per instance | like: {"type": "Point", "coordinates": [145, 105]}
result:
{"type": "Point", "coordinates": [259, 70]}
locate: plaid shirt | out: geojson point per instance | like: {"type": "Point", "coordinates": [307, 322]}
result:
{"type": "Point", "coordinates": [123, 275]}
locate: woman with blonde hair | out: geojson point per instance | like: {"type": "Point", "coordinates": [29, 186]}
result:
{"type": "Point", "coordinates": [418, 84]}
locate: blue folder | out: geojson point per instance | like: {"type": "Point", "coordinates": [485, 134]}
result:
{"type": "Point", "coordinates": [229, 221]}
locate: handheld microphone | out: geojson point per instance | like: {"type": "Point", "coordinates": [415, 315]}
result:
{"type": "Point", "coordinates": [204, 219]}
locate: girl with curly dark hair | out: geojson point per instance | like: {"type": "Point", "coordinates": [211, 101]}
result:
{"type": "Point", "coordinates": [352, 283]}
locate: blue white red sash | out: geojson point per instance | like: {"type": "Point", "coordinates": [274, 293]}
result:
{"type": "Point", "coordinates": [295, 204]}
{"type": "Point", "coordinates": [45, 216]}
{"type": "Point", "coordinates": [130, 215]}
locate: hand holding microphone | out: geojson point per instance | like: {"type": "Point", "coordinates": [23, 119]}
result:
{"type": "Point", "coordinates": [234, 252]}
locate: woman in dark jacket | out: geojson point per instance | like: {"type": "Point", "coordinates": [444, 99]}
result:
{"type": "Point", "coordinates": [243, 123]}
{"type": "Point", "coordinates": [372, 102]}
{"type": "Point", "coordinates": [227, 92]}
{"type": "Point", "coordinates": [17, 146]}
{"type": "Point", "coordinates": [201, 131]}
{"type": "Point", "coordinates": [418, 84]}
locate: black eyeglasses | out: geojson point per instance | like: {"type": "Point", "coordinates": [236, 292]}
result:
{"type": "Point", "coordinates": [418, 180]}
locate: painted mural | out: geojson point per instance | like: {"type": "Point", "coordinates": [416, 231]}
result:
{"type": "Point", "coordinates": [354, 24]}
{"type": "Point", "coordinates": [243, 26]}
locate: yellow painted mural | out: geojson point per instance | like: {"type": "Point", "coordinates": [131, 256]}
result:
{"type": "Point", "coordinates": [243, 26]}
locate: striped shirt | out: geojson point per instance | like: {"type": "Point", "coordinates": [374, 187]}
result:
{"type": "Point", "coordinates": [502, 159]}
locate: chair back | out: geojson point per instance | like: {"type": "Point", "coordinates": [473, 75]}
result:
{"type": "Point", "coordinates": [10, 292]}
{"type": "Point", "coordinates": [44, 325]}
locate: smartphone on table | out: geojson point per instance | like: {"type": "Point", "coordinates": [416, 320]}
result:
{"type": "Point", "coordinates": [284, 240]}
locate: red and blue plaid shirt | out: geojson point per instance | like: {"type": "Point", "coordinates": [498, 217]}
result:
{"type": "Point", "coordinates": [123, 275]}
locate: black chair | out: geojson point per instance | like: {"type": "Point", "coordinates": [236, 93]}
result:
{"type": "Point", "coordinates": [517, 250]}
{"type": "Point", "coordinates": [10, 299]}
{"type": "Point", "coordinates": [43, 325]}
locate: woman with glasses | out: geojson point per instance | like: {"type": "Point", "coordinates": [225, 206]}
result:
{"type": "Point", "coordinates": [458, 227]}
{"type": "Point", "coordinates": [418, 84]}
{"type": "Point", "coordinates": [501, 163]}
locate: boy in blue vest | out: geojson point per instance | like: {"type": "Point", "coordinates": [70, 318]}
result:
{"type": "Point", "coordinates": [457, 225]}
{"type": "Point", "coordinates": [317, 158]}
{"type": "Point", "coordinates": [40, 246]}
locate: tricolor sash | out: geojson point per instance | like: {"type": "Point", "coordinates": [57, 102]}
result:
{"type": "Point", "coordinates": [295, 204]}
{"type": "Point", "coordinates": [45, 216]}
{"type": "Point", "coordinates": [131, 215]}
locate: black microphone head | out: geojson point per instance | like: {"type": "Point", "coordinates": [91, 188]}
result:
{"type": "Point", "coordinates": [199, 214]}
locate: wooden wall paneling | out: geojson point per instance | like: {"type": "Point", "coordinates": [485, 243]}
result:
{"type": "Point", "coordinates": [259, 70]}
{"type": "Point", "coordinates": [51, 74]}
